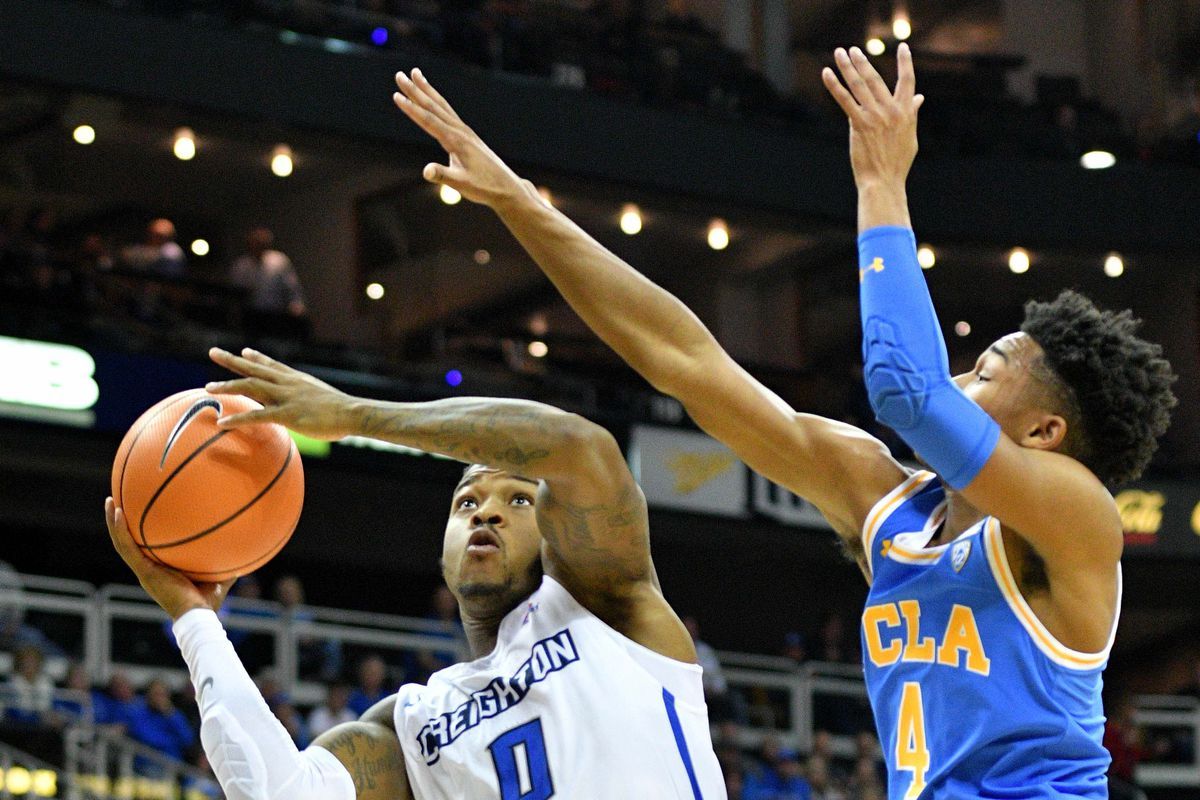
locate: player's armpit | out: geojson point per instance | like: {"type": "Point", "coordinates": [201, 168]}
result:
{"type": "Point", "coordinates": [370, 751]}
{"type": "Point", "coordinates": [839, 468]}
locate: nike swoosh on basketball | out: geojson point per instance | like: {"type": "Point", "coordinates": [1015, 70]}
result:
{"type": "Point", "coordinates": [188, 416]}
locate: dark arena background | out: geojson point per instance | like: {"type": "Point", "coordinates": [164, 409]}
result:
{"type": "Point", "coordinates": [143, 144]}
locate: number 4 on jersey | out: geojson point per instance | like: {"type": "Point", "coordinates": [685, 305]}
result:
{"type": "Point", "coordinates": [912, 754]}
{"type": "Point", "coordinates": [521, 767]}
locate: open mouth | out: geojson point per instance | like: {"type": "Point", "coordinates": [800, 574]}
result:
{"type": "Point", "coordinates": [483, 541]}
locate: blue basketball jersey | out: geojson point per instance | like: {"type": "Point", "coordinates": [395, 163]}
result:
{"type": "Point", "coordinates": [973, 698]}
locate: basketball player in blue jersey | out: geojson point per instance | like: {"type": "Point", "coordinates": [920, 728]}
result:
{"type": "Point", "coordinates": [584, 683]}
{"type": "Point", "coordinates": [995, 578]}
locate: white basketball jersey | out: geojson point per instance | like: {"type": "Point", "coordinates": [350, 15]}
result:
{"type": "Point", "coordinates": [564, 707]}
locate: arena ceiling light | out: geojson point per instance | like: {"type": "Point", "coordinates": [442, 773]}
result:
{"type": "Point", "coordinates": [875, 46]}
{"type": "Point", "coordinates": [631, 220]}
{"type": "Point", "coordinates": [1097, 159]}
{"type": "Point", "coordinates": [538, 349]}
{"type": "Point", "coordinates": [200, 247]}
{"type": "Point", "coordinates": [718, 234]}
{"type": "Point", "coordinates": [1114, 265]}
{"type": "Point", "coordinates": [901, 27]}
{"type": "Point", "coordinates": [926, 257]}
{"type": "Point", "coordinates": [1018, 260]}
{"type": "Point", "coordinates": [282, 163]}
{"type": "Point", "coordinates": [374, 291]}
{"type": "Point", "coordinates": [449, 195]}
{"type": "Point", "coordinates": [962, 328]}
{"type": "Point", "coordinates": [185, 144]}
{"type": "Point", "coordinates": [84, 134]}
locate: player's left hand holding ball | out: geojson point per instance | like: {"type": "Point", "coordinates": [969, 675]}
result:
{"type": "Point", "coordinates": [173, 591]}
{"type": "Point", "coordinates": [289, 397]}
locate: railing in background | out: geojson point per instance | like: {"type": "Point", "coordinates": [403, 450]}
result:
{"type": "Point", "coordinates": [797, 696]}
{"type": "Point", "coordinates": [112, 766]}
{"type": "Point", "coordinates": [22, 775]}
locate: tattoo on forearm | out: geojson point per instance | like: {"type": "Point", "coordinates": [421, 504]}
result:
{"type": "Point", "coordinates": [502, 433]}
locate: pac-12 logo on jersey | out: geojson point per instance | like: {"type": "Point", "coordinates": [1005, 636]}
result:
{"type": "Point", "coordinates": [959, 554]}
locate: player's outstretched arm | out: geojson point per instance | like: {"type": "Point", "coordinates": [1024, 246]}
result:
{"type": "Point", "coordinates": [591, 513]}
{"type": "Point", "coordinates": [906, 366]}
{"type": "Point", "coordinates": [836, 466]}
{"type": "Point", "coordinates": [251, 753]}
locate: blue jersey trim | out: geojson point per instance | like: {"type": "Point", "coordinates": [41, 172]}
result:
{"type": "Point", "coordinates": [681, 743]}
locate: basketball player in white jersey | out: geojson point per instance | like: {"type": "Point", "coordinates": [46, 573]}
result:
{"type": "Point", "coordinates": [584, 684]}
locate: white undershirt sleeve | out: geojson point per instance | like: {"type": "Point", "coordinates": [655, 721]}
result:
{"type": "Point", "coordinates": [251, 753]}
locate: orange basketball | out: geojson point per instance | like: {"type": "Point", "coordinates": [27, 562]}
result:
{"type": "Point", "coordinates": [213, 504]}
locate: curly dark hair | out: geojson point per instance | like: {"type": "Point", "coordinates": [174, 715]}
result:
{"type": "Point", "coordinates": [1113, 388]}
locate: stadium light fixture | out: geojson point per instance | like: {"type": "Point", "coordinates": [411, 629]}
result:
{"type": "Point", "coordinates": [901, 28]}
{"type": "Point", "coordinates": [374, 291]}
{"type": "Point", "coordinates": [538, 349]}
{"type": "Point", "coordinates": [718, 234]}
{"type": "Point", "coordinates": [875, 46]}
{"type": "Point", "coordinates": [962, 328]}
{"type": "Point", "coordinates": [282, 163]}
{"type": "Point", "coordinates": [449, 195]}
{"type": "Point", "coordinates": [185, 144]}
{"type": "Point", "coordinates": [926, 257]}
{"type": "Point", "coordinates": [631, 220]}
{"type": "Point", "coordinates": [84, 134]}
{"type": "Point", "coordinates": [454, 378]}
{"type": "Point", "coordinates": [1114, 265]}
{"type": "Point", "coordinates": [1018, 260]}
{"type": "Point", "coordinates": [200, 247]}
{"type": "Point", "coordinates": [1097, 159]}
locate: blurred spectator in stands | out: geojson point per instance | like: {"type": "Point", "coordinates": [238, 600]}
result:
{"type": "Point", "coordinates": [116, 705]}
{"type": "Point", "coordinates": [28, 257]}
{"type": "Point", "coordinates": [832, 646]}
{"type": "Point", "coordinates": [726, 747]}
{"type": "Point", "coordinates": [735, 784]}
{"type": "Point", "coordinates": [1124, 741]}
{"type": "Point", "coordinates": [869, 771]}
{"type": "Point", "coordinates": [321, 658]}
{"type": "Point", "coordinates": [722, 703]}
{"type": "Point", "coordinates": [820, 780]}
{"type": "Point", "coordinates": [29, 692]}
{"type": "Point", "coordinates": [159, 724]}
{"type": "Point", "coordinates": [372, 675]}
{"type": "Point", "coordinates": [679, 18]}
{"type": "Point", "coordinates": [617, 61]}
{"type": "Point", "coordinates": [794, 647]}
{"type": "Point", "coordinates": [776, 776]}
{"type": "Point", "coordinates": [92, 259]}
{"type": "Point", "coordinates": [14, 633]}
{"type": "Point", "coordinates": [271, 688]}
{"type": "Point", "coordinates": [205, 786]}
{"type": "Point", "coordinates": [159, 253]}
{"type": "Point", "coordinates": [292, 722]}
{"type": "Point", "coordinates": [257, 650]}
{"type": "Point", "coordinates": [443, 608]}
{"type": "Point", "coordinates": [79, 705]}
{"type": "Point", "coordinates": [268, 276]}
{"type": "Point", "coordinates": [334, 711]}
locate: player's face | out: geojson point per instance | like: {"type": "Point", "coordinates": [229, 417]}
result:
{"type": "Point", "coordinates": [1002, 383]}
{"type": "Point", "coordinates": [492, 543]}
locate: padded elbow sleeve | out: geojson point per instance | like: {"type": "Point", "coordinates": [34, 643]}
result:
{"type": "Point", "coordinates": [906, 369]}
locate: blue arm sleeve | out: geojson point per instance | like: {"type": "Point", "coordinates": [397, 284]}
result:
{"type": "Point", "coordinates": [906, 369]}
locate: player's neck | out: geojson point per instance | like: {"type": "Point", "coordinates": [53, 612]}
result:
{"type": "Point", "coordinates": [481, 626]}
{"type": "Point", "coordinates": [960, 515]}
